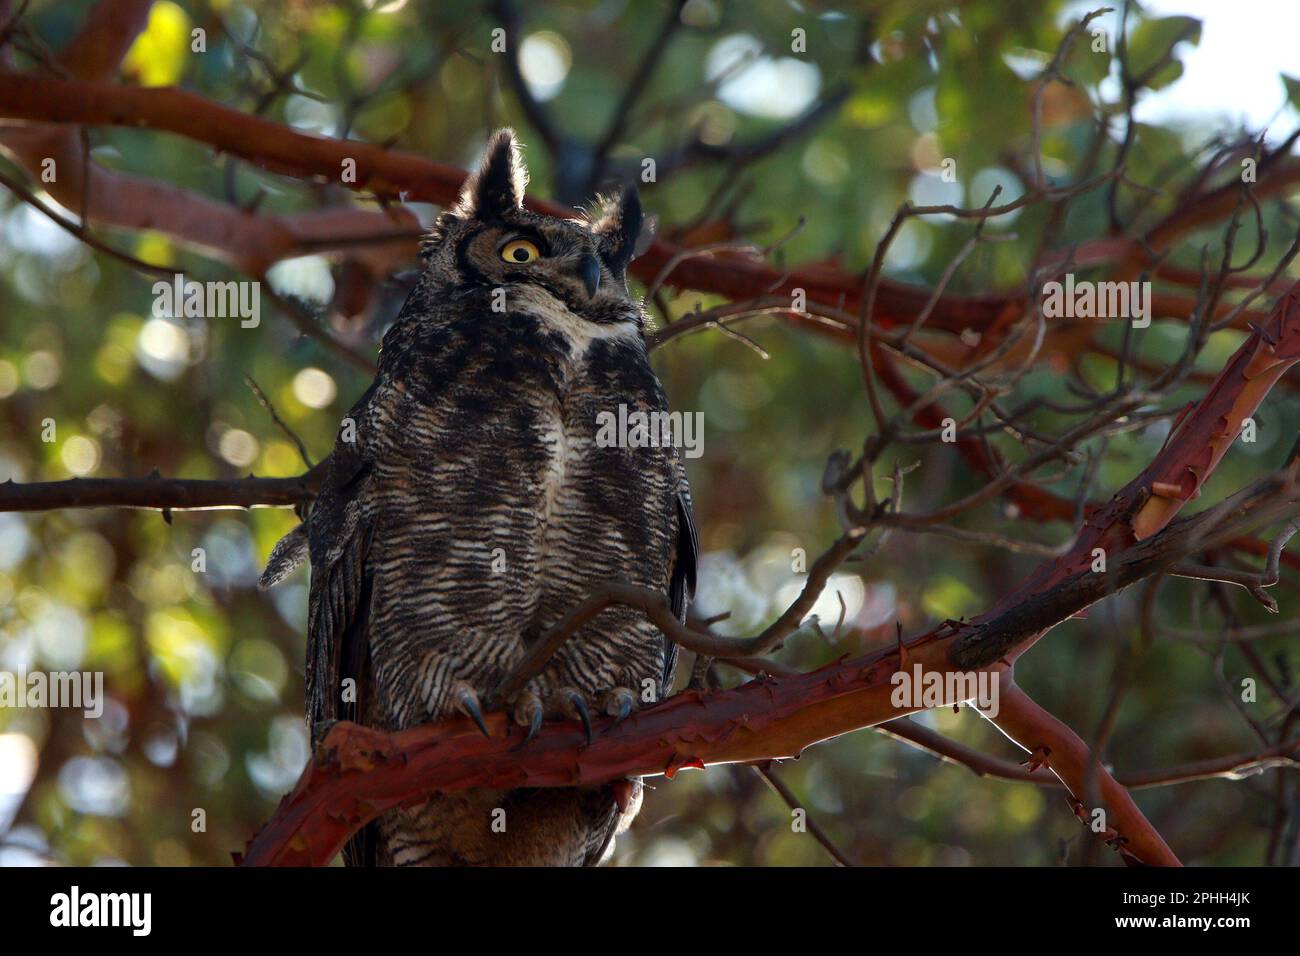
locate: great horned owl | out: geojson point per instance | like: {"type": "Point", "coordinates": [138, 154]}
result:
{"type": "Point", "coordinates": [468, 505]}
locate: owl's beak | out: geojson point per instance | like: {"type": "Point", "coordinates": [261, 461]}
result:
{"type": "Point", "coordinates": [589, 273]}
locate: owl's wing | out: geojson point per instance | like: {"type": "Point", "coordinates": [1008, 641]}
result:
{"type": "Point", "coordinates": [338, 621]}
{"type": "Point", "coordinates": [681, 586]}
{"type": "Point", "coordinates": [340, 532]}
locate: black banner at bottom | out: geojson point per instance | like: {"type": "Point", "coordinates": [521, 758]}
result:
{"type": "Point", "coordinates": [130, 906]}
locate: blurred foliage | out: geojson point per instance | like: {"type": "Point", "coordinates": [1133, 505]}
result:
{"type": "Point", "coordinates": [204, 672]}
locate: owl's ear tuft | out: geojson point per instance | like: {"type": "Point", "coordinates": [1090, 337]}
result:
{"type": "Point", "coordinates": [618, 227]}
{"type": "Point", "coordinates": [497, 187]}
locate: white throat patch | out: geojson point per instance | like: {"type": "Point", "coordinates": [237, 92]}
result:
{"type": "Point", "coordinates": [577, 331]}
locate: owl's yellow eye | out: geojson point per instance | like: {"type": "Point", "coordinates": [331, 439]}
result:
{"type": "Point", "coordinates": [520, 250]}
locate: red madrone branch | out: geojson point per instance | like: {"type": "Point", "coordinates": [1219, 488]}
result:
{"type": "Point", "coordinates": [358, 774]}
{"type": "Point", "coordinates": [393, 174]}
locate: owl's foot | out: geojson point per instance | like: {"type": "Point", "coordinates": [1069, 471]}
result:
{"type": "Point", "coordinates": [530, 709]}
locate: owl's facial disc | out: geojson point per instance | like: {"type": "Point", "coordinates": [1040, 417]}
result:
{"type": "Point", "coordinates": [494, 241]}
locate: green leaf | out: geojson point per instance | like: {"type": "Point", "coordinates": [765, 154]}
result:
{"type": "Point", "coordinates": [1085, 64]}
{"type": "Point", "coordinates": [1151, 58]}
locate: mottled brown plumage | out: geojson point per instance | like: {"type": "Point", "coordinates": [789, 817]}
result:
{"type": "Point", "coordinates": [468, 506]}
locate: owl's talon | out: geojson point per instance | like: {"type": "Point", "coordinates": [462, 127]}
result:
{"type": "Point", "coordinates": [534, 726]}
{"type": "Point", "coordinates": [467, 701]}
{"type": "Point", "coordinates": [580, 706]}
{"type": "Point", "coordinates": [529, 712]}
